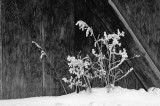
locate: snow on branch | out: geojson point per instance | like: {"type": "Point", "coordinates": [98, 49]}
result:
{"type": "Point", "coordinates": [107, 64]}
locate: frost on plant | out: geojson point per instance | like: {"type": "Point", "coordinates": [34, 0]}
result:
{"type": "Point", "coordinates": [40, 48]}
{"type": "Point", "coordinates": [79, 72]}
{"type": "Point", "coordinates": [109, 58]}
{"type": "Point", "coordinates": [83, 26]}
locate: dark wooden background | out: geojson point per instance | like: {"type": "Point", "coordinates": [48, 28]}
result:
{"type": "Point", "coordinates": [51, 23]}
{"type": "Point", "coordinates": [143, 17]}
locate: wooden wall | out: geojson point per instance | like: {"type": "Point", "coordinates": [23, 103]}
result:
{"type": "Point", "coordinates": [50, 23]}
{"type": "Point", "coordinates": [143, 18]}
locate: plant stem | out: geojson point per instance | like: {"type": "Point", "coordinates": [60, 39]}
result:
{"type": "Point", "coordinates": [86, 81]}
{"type": "Point", "coordinates": [89, 84]}
{"type": "Point", "coordinates": [56, 74]}
{"type": "Point", "coordinates": [109, 66]}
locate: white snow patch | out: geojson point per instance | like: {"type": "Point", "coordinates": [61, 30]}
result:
{"type": "Point", "coordinates": [99, 97]}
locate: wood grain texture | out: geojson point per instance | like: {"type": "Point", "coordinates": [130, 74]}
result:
{"type": "Point", "coordinates": [27, 21]}
{"type": "Point", "coordinates": [51, 23]}
{"type": "Point", "coordinates": [125, 9]}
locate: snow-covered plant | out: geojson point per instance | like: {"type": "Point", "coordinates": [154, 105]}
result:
{"type": "Point", "coordinates": [79, 70]}
{"type": "Point", "coordinates": [108, 54]}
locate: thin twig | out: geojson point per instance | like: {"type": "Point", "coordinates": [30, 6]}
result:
{"type": "Point", "coordinates": [116, 66]}
{"type": "Point", "coordinates": [42, 51]}
{"type": "Point", "coordinates": [124, 75]}
{"type": "Point", "coordinates": [126, 59]}
{"type": "Point", "coordinates": [57, 74]}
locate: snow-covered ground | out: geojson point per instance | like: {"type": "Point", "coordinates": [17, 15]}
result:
{"type": "Point", "coordinates": [99, 97]}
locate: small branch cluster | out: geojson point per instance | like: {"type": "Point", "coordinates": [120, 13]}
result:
{"type": "Point", "coordinates": [79, 68]}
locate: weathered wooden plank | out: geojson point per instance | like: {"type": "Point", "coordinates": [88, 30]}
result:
{"type": "Point", "coordinates": [22, 68]}
{"type": "Point", "coordinates": [141, 44]}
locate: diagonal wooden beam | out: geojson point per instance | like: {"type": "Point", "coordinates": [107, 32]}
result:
{"type": "Point", "coordinates": [150, 61]}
